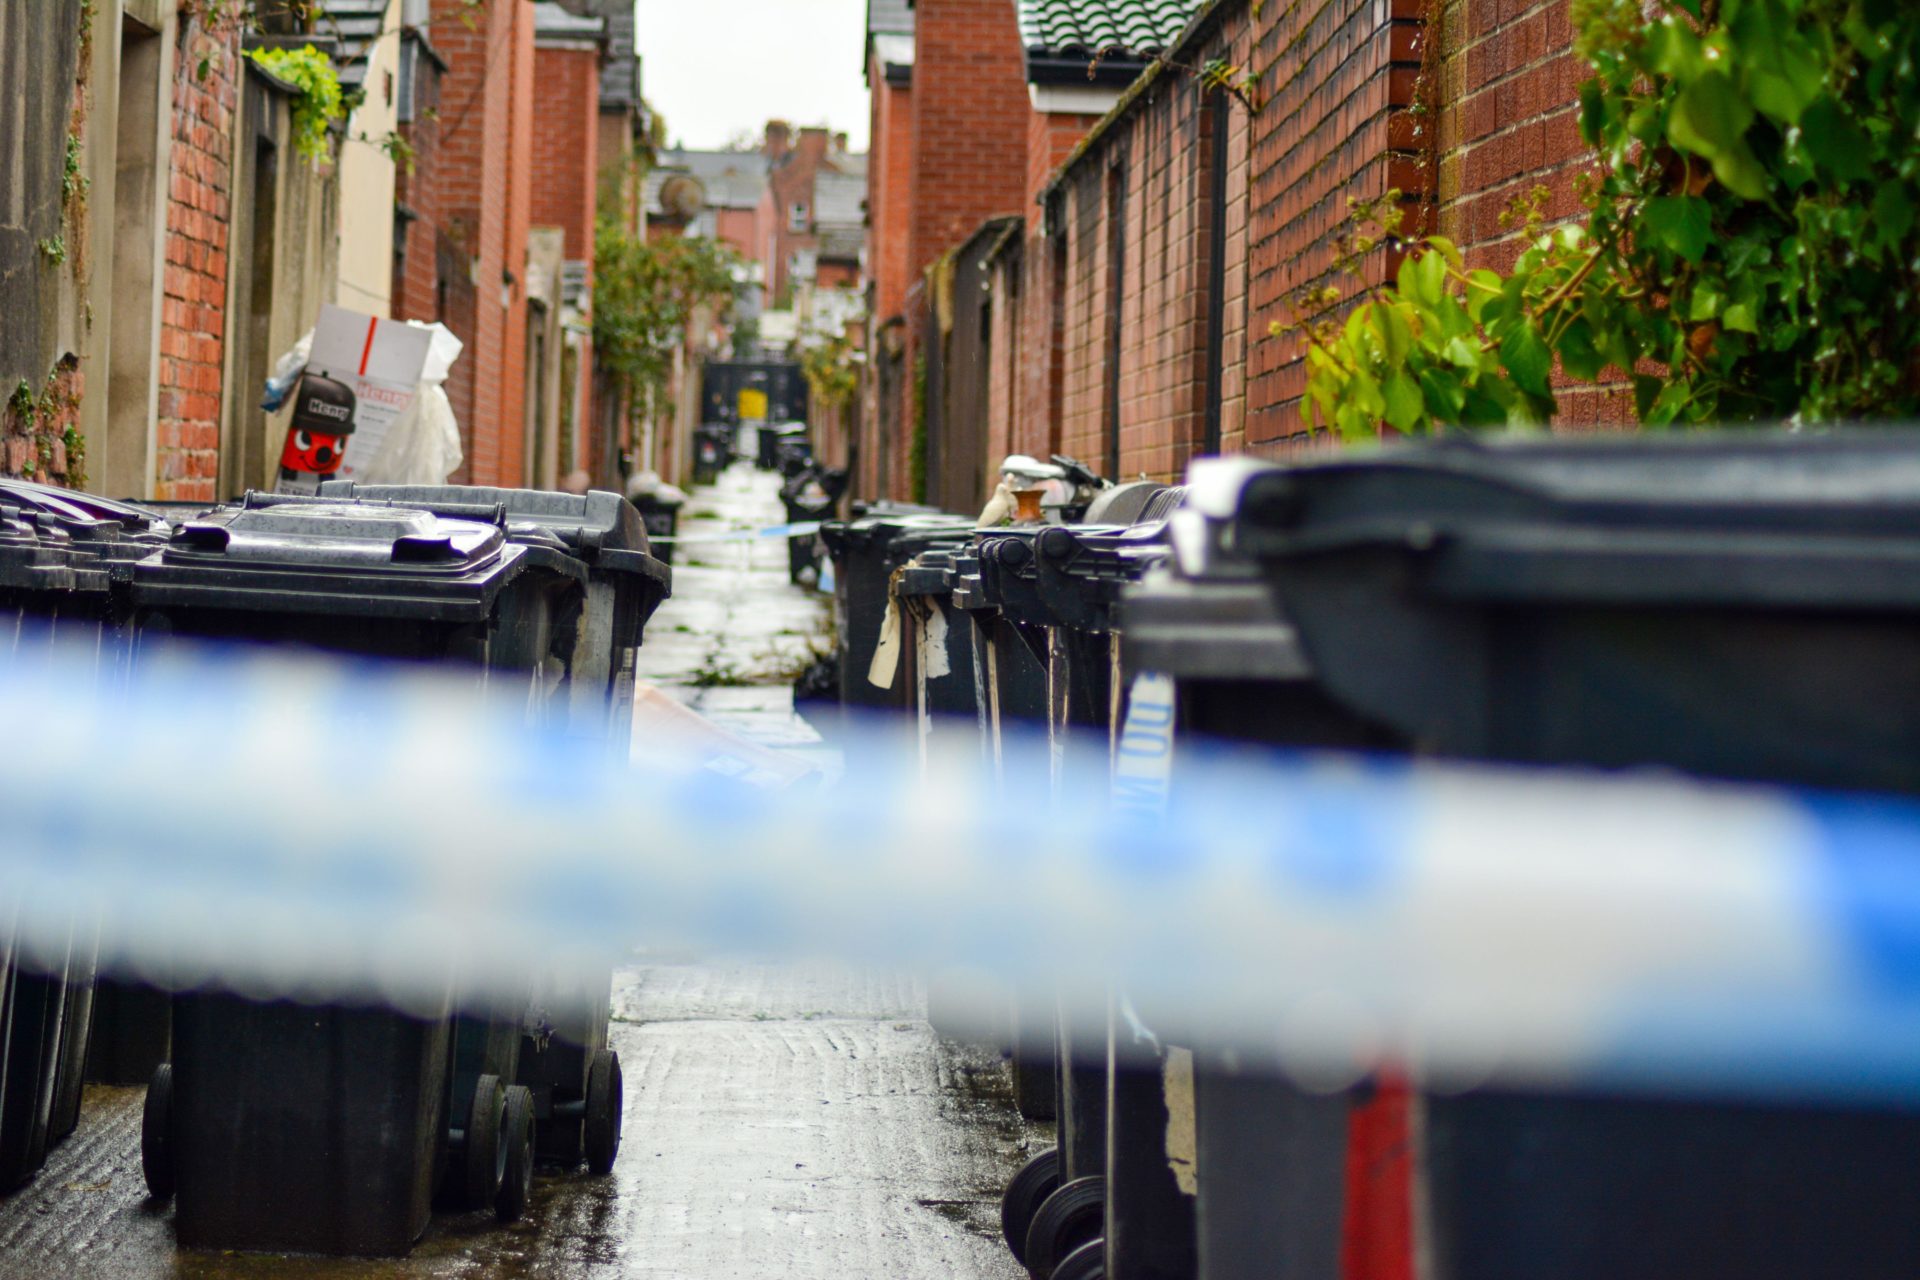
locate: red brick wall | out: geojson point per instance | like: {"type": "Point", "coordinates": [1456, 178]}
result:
{"type": "Point", "coordinates": [1335, 86]}
{"type": "Point", "coordinates": [837, 275]}
{"type": "Point", "coordinates": [193, 313]}
{"type": "Point", "coordinates": [969, 156]}
{"type": "Point", "coordinates": [422, 190]}
{"type": "Point", "coordinates": [510, 467]}
{"type": "Point", "coordinates": [478, 133]}
{"type": "Point", "coordinates": [1160, 153]}
{"type": "Point", "coordinates": [735, 227]}
{"type": "Point", "coordinates": [1507, 81]}
{"type": "Point", "coordinates": [1051, 137]}
{"type": "Point", "coordinates": [1022, 399]}
{"type": "Point", "coordinates": [970, 123]}
{"type": "Point", "coordinates": [790, 182]}
{"type": "Point", "coordinates": [566, 154]}
{"type": "Point", "coordinates": [889, 193]}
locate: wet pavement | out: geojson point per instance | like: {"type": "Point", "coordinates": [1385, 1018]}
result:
{"type": "Point", "coordinates": [782, 1120]}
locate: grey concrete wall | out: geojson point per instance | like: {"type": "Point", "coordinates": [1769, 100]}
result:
{"type": "Point", "coordinates": [39, 52]}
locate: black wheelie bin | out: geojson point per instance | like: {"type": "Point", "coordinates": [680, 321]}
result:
{"type": "Point", "coordinates": [867, 552]}
{"type": "Point", "coordinates": [1737, 606]}
{"type": "Point", "coordinates": [327, 1128]}
{"type": "Point", "coordinates": [1109, 1087]}
{"type": "Point", "coordinates": [565, 1060]}
{"type": "Point", "coordinates": [992, 590]}
{"type": "Point", "coordinates": [60, 553]}
{"type": "Point", "coordinates": [712, 451]}
{"type": "Point", "coordinates": [810, 492]}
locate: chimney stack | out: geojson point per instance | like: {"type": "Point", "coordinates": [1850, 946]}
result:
{"type": "Point", "coordinates": [778, 134]}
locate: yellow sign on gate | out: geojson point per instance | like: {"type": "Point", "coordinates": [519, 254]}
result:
{"type": "Point", "coordinates": [753, 405]}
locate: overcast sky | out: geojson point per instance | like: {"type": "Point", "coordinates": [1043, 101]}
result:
{"type": "Point", "coordinates": [719, 68]}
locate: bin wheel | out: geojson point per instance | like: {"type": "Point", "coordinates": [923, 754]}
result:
{"type": "Point", "coordinates": [606, 1098]}
{"type": "Point", "coordinates": [156, 1134]}
{"type": "Point", "coordinates": [1071, 1216]}
{"type": "Point", "coordinates": [1038, 1178]}
{"type": "Point", "coordinates": [516, 1140]}
{"type": "Point", "coordinates": [485, 1159]}
{"type": "Point", "coordinates": [1088, 1262]}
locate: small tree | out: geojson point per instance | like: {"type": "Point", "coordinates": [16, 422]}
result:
{"type": "Point", "coordinates": [646, 293]}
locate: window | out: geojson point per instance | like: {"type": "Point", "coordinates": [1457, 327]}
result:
{"type": "Point", "coordinates": [797, 216]}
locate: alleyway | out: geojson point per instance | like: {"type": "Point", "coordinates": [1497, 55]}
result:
{"type": "Point", "coordinates": [781, 1121]}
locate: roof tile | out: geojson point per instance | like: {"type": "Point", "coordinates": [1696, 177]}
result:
{"type": "Point", "coordinates": [1138, 27]}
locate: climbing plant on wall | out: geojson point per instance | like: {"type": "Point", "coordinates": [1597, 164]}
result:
{"type": "Point", "coordinates": [320, 102]}
{"type": "Point", "coordinates": [1750, 250]}
{"type": "Point", "coordinates": [832, 371]}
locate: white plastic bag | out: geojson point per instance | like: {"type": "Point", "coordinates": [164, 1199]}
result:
{"type": "Point", "coordinates": [423, 445]}
{"type": "Point", "coordinates": [286, 373]}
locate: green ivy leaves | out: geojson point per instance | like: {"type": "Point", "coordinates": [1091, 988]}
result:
{"type": "Point", "coordinates": [1683, 223]}
{"type": "Point", "coordinates": [319, 103]}
{"type": "Point", "coordinates": [1710, 119]}
{"type": "Point", "coordinates": [1750, 252]}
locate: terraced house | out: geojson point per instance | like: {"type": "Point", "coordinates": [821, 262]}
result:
{"type": "Point", "coordinates": [168, 228]}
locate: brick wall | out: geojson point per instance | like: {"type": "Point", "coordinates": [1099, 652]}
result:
{"type": "Point", "coordinates": [1153, 164]}
{"type": "Point", "coordinates": [566, 159]}
{"type": "Point", "coordinates": [1023, 399]}
{"type": "Point", "coordinates": [193, 312]}
{"type": "Point", "coordinates": [476, 152]}
{"type": "Point", "coordinates": [511, 467]}
{"type": "Point", "coordinates": [790, 182]}
{"type": "Point", "coordinates": [889, 192]}
{"type": "Point", "coordinates": [421, 189]}
{"type": "Point", "coordinates": [1333, 117]}
{"type": "Point", "coordinates": [969, 153]}
{"type": "Point", "coordinates": [1507, 81]}
{"type": "Point", "coordinates": [1335, 86]}
{"type": "Point", "coordinates": [890, 168]}
{"type": "Point", "coordinates": [970, 123]}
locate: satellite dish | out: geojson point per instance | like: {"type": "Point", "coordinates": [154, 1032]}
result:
{"type": "Point", "coordinates": [682, 196]}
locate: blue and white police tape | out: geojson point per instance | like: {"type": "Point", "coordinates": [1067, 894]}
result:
{"type": "Point", "coordinates": [316, 830]}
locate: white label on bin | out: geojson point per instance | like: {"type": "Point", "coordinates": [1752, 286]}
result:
{"type": "Point", "coordinates": [886, 654]}
{"type": "Point", "coordinates": [1143, 758]}
{"type": "Point", "coordinates": [933, 642]}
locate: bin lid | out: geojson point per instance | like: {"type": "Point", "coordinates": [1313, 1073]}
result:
{"type": "Point", "coordinates": [70, 503]}
{"type": "Point", "coordinates": [1202, 611]}
{"type": "Point", "coordinates": [317, 557]}
{"type": "Point", "coordinates": [336, 536]}
{"type": "Point", "coordinates": [877, 531]}
{"type": "Point", "coordinates": [602, 529]}
{"type": "Point", "coordinates": [32, 559]}
{"type": "Point", "coordinates": [1762, 519]}
{"type": "Point", "coordinates": [1081, 569]}
{"type": "Point", "coordinates": [1136, 502]}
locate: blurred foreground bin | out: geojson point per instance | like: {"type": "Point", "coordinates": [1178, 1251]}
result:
{"type": "Point", "coordinates": [60, 553]}
{"type": "Point", "coordinates": [1741, 607]}
{"type": "Point", "coordinates": [326, 1129]}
